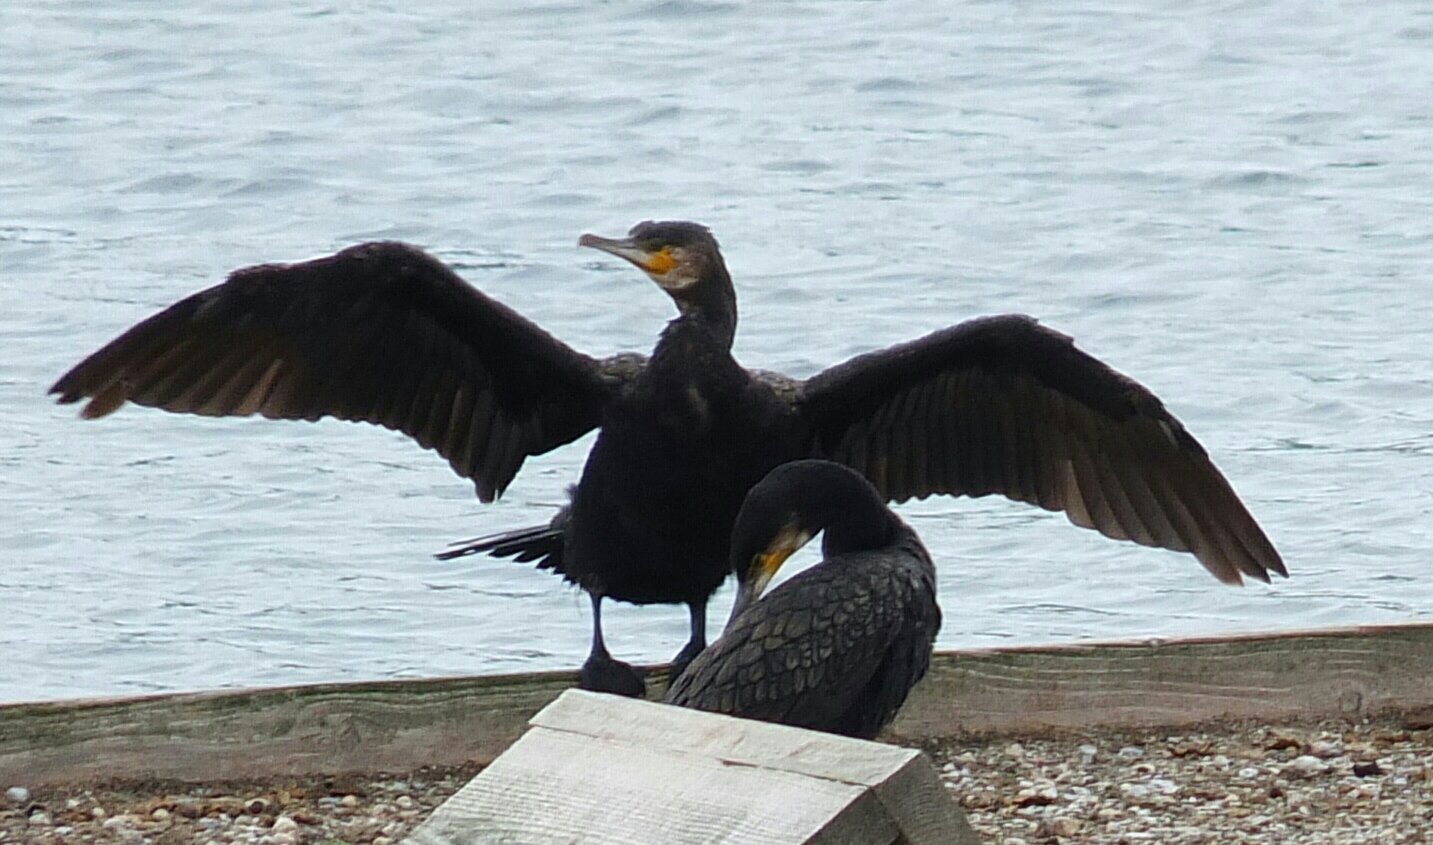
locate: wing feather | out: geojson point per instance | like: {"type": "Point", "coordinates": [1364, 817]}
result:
{"type": "Point", "coordinates": [1005, 405]}
{"type": "Point", "coordinates": [380, 333]}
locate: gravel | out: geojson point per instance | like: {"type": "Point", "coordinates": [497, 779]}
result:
{"type": "Point", "coordinates": [377, 810]}
{"type": "Point", "coordinates": [1324, 783]}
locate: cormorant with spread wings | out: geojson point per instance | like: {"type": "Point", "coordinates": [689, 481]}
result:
{"type": "Point", "coordinates": [384, 333]}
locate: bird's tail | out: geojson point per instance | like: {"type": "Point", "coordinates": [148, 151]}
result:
{"type": "Point", "coordinates": [542, 543]}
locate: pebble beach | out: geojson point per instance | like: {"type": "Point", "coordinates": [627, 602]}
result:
{"type": "Point", "coordinates": [1327, 782]}
{"type": "Point", "coordinates": [1253, 784]}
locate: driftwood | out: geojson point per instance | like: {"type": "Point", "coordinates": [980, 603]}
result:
{"type": "Point", "coordinates": [400, 725]}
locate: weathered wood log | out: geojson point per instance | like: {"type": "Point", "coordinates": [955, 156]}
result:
{"type": "Point", "coordinates": [1354, 672]}
{"type": "Point", "coordinates": [399, 725]}
{"type": "Point", "coordinates": [602, 769]}
{"type": "Point", "coordinates": [322, 728]}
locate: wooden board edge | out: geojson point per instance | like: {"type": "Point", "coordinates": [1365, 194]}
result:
{"type": "Point", "coordinates": [400, 725]}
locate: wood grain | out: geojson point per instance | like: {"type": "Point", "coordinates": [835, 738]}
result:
{"type": "Point", "coordinates": [601, 769]}
{"type": "Point", "coordinates": [325, 728]}
{"type": "Point", "coordinates": [1352, 672]}
{"type": "Point", "coordinates": [399, 725]}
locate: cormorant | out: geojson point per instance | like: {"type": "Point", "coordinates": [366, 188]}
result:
{"type": "Point", "coordinates": [837, 647]}
{"type": "Point", "coordinates": [384, 333]}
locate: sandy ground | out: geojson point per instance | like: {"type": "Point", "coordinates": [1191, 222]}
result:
{"type": "Point", "coordinates": [1319, 783]}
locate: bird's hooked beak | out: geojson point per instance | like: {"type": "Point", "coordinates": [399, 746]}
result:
{"type": "Point", "coordinates": [654, 262]}
{"type": "Point", "coordinates": [764, 566]}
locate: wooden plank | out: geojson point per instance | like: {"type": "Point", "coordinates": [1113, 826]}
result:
{"type": "Point", "coordinates": [597, 768]}
{"type": "Point", "coordinates": [534, 794]}
{"type": "Point", "coordinates": [1352, 672]}
{"type": "Point", "coordinates": [901, 778]}
{"type": "Point", "coordinates": [324, 728]}
{"type": "Point", "coordinates": [748, 743]}
{"type": "Point", "coordinates": [397, 725]}
{"type": "Point", "coordinates": [924, 809]}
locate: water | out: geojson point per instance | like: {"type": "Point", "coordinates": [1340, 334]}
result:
{"type": "Point", "coordinates": [1229, 201]}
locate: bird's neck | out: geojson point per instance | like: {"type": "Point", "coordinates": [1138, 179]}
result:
{"type": "Point", "coordinates": [856, 531]}
{"type": "Point", "coordinates": [710, 304]}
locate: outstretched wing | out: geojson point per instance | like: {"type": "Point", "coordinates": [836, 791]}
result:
{"type": "Point", "coordinates": [381, 333]}
{"type": "Point", "coordinates": [1005, 405]}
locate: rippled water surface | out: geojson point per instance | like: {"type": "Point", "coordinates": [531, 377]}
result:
{"type": "Point", "coordinates": [1229, 201]}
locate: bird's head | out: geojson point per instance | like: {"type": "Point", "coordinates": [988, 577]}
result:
{"type": "Point", "coordinates": [793, 503]}
{"type": "Point", "coordinates": [677, 255]}
{"type": "Point", "coordinates": [760, 545]}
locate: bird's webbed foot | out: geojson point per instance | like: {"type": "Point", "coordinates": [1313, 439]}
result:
{"type": "Point", "coordinates": [601, 673]}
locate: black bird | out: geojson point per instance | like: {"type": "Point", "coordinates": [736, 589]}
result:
{"type": "Point", "coordinates": [838, 647]}
{"type": "Point", "coordinates": [385, 333]}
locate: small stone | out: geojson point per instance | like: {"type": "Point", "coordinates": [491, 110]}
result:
{"type": "Point", "coordinates": [1036, 797]}
{"type": "Point", "coordinates": [40, 818]}
{"type": "Point", "coordinates": [1307, 764]}
{"type": "Point", "coordinates": [72, 803]}
{"type": "Point", "coordinates": [281, 839]}
{"type": "Point", "coordinates": [1015, 751]}
{"type": "Point", "coordinates": [383, 840]}
{"type": "Point", "coordinates": [257, 806]}
{"type": "Point", "coordinates": [97, 812]}
{"type": "Point", "coordinates": [405, 802]}
{"type": "Point", "coordinates": [284, 824]}
{"type": "Point", "coordinates": [1063, 826]}
{"type": "Point", "coordinates": [349, 800]}
{"type": "Point", "coordinates": [1135, 790]}
{"type": "Point", "coordinates": [1248, 773]}
{"type": "Point", "coordinates": [1367, 769]}
{"type": "Point", "coordinates": [18, 794]}
{"type": "Point", "coordinates": [1088, 753]}
{"type": "Point", "coordinates": [1130, 752]}
{"type": "Point", "coordinates": [160, 814]}
{"type": "Point", "coordinates": [115, 823]}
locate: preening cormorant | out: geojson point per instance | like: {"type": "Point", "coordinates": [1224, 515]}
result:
{"type": "Point", "coordinates": [837, 647]}
{"type": "Point", "coordinates": [384, 333]}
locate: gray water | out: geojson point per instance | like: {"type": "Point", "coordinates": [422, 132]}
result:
{"type": "Point", "coordinates": [1231, 202]}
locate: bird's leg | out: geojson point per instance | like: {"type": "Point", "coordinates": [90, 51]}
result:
{"type": "Point", "coordinates": [698, 641]}
{"type": "Point", "coordinates": [603, 674]}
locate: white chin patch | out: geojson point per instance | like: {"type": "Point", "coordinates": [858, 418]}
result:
{"type": "Point", "coordinates": [791, 537]}
{"type": "Point", "coordinates": [675, 281]}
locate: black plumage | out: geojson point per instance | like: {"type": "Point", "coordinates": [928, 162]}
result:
{"type": "Point", "coordinates": [838, 647]}
{"type": "Point", "coordinates": [386, 334]}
